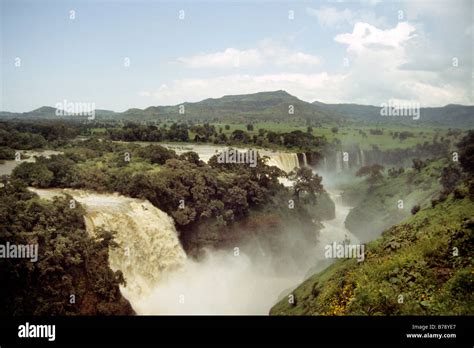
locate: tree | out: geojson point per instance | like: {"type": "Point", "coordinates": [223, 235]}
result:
{"type": "Point", "coordinates": [415, 209]}
{"type": "Point", "coordinates": [240, 136]}
{"type": "Point", "coordinates": [466, 153]}
{"type": "Point", "coordinates": [404, 135]}
{"type": "Point", "coordinates": [35, 174]}
{"type": "Point", "coordinates": [6, 153]}
{"type": "Point", "coordinates": [334, 130]}
{"type": "Point", "coordinates": [306, 181]}
{"type": "Point", "coordinates": [191, 157]}
{"type": "Point", "coordinates": [273, 137]}
{"type": "Point", "coordinates": [373, 173]}
{"type": "Point", "coordinates": [450, 176]}
{"type": "Point", "coordinates": [250, 127]}
{"type": "Point", "coordinates": [156, 153]}
{"type": "Point", "coordinates": [418, 164]}
{"type": "Point", "coordinates": [71, 261]}
{"type": "Point", "coordinates": [62, 169]}
{"type": "Point", "coordinates": [236, 201]}
{"type": "Point", "coordinates": [227, 127]}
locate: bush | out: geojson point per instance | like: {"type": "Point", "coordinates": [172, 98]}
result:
{"type": "Point", "coordinates": [415, 209]}
{"type": "Point", "coordinates": [459, 194]}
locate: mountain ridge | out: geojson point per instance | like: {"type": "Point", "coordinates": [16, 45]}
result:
{"type": "Point", "coordinates": [267, 106]}
{"type": "Point", "coordinates": [460, 115]}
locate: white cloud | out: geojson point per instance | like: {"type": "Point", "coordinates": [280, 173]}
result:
{"type": "Point", "coordinates": [298, 59]}
{"type": "Point", "coordinates": [380, 74]}
{"type": "Point", "coordinates": [366, 36]}
{"type": "Point", "coordinates": [267, 52]}
{"type": "Point", "coordinates": [309, 87]}
{"type": "Point", "coordinates": [286, 58]}
{"type": "Point", "coordinates": [365, 83]}
{"type": "Point", "coordinates": [331, 17]}
{"type": "Point", "coordinates": [228, 58]}
{"type": "Point", "coordinates": [377, 72]}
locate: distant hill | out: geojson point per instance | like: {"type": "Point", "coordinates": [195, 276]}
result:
{"type": "Point", "coordinates": [449, 115]}
{"type": "Point", "coordinates": [48, 113]}
{"type": "Point", "coordinates": [267, 107]}
{"type": "Point", "coordinates": [258, 107]}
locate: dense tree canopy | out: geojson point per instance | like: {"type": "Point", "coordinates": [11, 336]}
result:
{"type": "Point", "coordinates": [70, 262]}
{"type": "Point", "coordinates": [372, 172]}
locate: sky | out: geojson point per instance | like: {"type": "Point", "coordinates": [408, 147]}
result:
{"type": "Point", "coordinates": [134, 54]}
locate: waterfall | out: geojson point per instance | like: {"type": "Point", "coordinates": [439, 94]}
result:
{"type": "Point", "coordinates": [362, 157]}
{"type": "Point", "coordinates": [286, 161]}
{"type": "Point", "coordinates": [148, 242]}
{"type": "Point", "coordinates": [346, 164]}
{"type": "Point", "coordinates": [161, 280]}
{"type": "Point", "coordinates": [325, 164]}
{"type": "Point", "coordinates": [338, 161]}
{"type": "Point", "coordinates": [334, 230]}
{"type": "Point", "coordinates": [305, 160]}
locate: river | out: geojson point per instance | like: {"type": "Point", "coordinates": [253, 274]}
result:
{"type": "Point", "coordinates": [7, 166]}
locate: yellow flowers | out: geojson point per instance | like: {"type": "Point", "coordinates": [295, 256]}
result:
{"type": "Point", "coordinates": [339, 303]}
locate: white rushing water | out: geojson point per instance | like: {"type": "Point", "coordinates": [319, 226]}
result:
{"type": "Point", "coordinates": [160, 278]}
{"type": "Point", "coordinates": [224, 283]}
{"type": "Point", "coordinates": [286, 161]}
{"type": "Point", "coordinates": [148, 244]}
{"type": "Point", "coordinates": [338, 161]}
{"type": "Point", "coordinates": [335, 230]}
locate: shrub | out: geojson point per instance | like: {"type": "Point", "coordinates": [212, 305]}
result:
{"type": "Point", "coordinates": [415, 209]}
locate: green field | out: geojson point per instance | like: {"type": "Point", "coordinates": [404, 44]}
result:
{"type": "Point", "coordinates": [350, 135]}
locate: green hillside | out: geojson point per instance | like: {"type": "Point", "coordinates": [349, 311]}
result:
{"type": "Point", "coordinates": [49, 113]}
{"type": "Point", "coordinates": [422, 266]}
{"type": "Point", "coordinates": [450, 115]}
{"type": "Point", "coordinates": [375, 208]}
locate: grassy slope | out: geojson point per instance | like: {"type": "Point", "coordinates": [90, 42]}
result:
{"type": "Point", "coordinates": [376, 209]}
{"type": "Point", "coordinates": [413, 259]}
